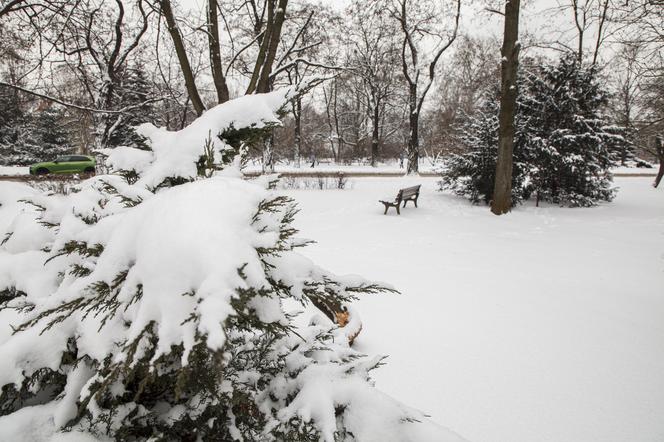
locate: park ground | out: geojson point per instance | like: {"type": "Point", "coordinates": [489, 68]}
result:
{"type": "Point", "coordinates": [542, 325]}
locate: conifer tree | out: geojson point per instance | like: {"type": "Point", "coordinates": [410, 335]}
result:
{"type": "Point", "coordinates": [472, 175]}
{"type": "Point", "coordinates": [30, 137]}
{"type": "Point", "coordinates": [134, 90]}
{"type": "Point", "coordinates": [564, 145]}
{"type": "Point", "coordinates": [571, 146]}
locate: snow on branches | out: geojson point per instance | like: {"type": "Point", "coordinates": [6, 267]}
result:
{"type": "Point", "coordinates": [161, 305]}
{"type": "Point", "coordinates": [563, 146]}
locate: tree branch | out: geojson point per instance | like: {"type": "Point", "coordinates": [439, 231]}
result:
{"type": "Point", "coordinates": [78, 107]}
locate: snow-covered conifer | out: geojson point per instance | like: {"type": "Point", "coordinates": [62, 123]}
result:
{"type": "Point", "coordinates": [166, 304]}
{"type": "Point", "coordinates": [472, 174]}
{"type": "Point", "coordinates": [563, 148]}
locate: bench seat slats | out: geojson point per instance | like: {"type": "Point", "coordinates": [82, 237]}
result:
{"type": "Point", "coordinates": [404, 195]}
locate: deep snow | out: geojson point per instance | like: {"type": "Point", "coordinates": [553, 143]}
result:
{"type": "Point", "coordinates": [542, 325]}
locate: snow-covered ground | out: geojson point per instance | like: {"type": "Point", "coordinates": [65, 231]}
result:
{"type": "Point", "coordinates": [546, 324]}
{"type": "Point", "coordinates": [14, 170]}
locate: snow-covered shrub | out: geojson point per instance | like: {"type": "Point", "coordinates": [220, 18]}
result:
{"type": "Point", "coordinates": [563, 146]}
{"type": "Point", "coordinates": [165, 307]}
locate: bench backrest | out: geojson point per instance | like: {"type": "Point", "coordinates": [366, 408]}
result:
{"type": "Point", "coordinates": [408, 192]}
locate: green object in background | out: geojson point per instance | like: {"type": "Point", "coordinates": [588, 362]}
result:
{"type": "Point", "coordinates": [65, 164]}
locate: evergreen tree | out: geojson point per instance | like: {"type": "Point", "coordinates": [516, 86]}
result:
{"type": "Point", "coordinates": [134, 90]}
{"type": "Point", "coordinates": [472, 175]}
{"type": "Point", "coordinates": [150, 311]}
{"type": "Point", "coordinates": [563, 145]}
{"type": "Point", "coordinates": [571, 147]}
{"type": "Point", "coordinates": [11, 120]}
{"type": "Point", "coordinates": [30, 137]}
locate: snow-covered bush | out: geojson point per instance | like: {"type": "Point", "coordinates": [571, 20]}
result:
{"type": "Point", "coordinates": [563, 146]}
{"type": "Point", "coordinates": [167, 306]}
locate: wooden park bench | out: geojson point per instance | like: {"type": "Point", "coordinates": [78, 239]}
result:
{"type": "Point", "coordinates": [405, 195]}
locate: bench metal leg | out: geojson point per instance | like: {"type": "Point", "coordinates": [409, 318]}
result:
{"type": "Point", "coordinates": [398, 211]}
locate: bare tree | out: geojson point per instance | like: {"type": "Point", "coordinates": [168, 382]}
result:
{"type": "Point", "coordinates": [166, 10]}
{"type": "Point", "coordinates": [626, 102]}
{"type": "Point", "coordinates": [215, 56]}
{"type": "Point", "coordinates": [267, 53]}
{"type": "Point", "coordinates": [587, 14]}
{"type": "Point", "coordinates": [375, 58]}
{"type": "Point", "coordinates": [502, 192]}
{"type": "Point", "coordinates": [93, 41]}
{"type": "Point", "coordinates": [473, 66]}
{"type": "Point", "coordinates": [419, 22]}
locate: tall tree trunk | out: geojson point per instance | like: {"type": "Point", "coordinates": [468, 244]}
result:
{"type": "Point", "coordinates": [192, 91]}
{"type": "Point", "coordinates": [659, 147]}
{"type": "Point", "coordinates": [502, 191]}
{"type": "Point", "coordinates": [260, 77]}
{"type": "Point", "coordinates": [262, 49]}
{"type": "Point", "coordinates": [264, 84]}
{"type": "Point", "coordinates": [215, 56]}
{"type": "Point", "coordinates": [580, 26]}
{"type": "Point", "coordinates": [413, 138]}
{"type": "Point", "coordinates": [297, 111]}
{"type": "Point", "coordinates": [375, 134]}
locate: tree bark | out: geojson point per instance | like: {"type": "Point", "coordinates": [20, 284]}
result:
{"type": "Point", "coordinates": [659, 147]}
{"type": "Point", "coordinates": [275, 36]}
{"type": "Point", "coordinates": [215, 55]}
{"type": "Point", "coordinates": [502, 191]}
{"type": "Point", "coordinates": [413, 137]}
{"type": "Point", "coordinates": [192, 91]}
{"type": "Point", "coordinates": [260, 77]}
{"type": "Point", "coordinates": [297, 112]}
{"type": "Point", "coordinates": [375, 133]}
{"type": "Point", "coordinates": [580, 26]}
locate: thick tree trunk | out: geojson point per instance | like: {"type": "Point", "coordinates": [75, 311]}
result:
{"type": "Point", "coordinates": [659, 147]}
{"type": "Point", "coordinates": [262, 49]}
{"type": "Point", "coordinates": [260, 78]}
{"type": "Point", "coordinates": [375, 134]}
{"type": "Point", "coordinates": [502, 191]}
{"type": "Point", "coordinates": [660, 174]}
{"type": "Point", "coordinates": [413, 139]}
{"type": "Point", "coordinates": [215, 56]}
{"type": "Point", "coordinates": [192, 91]}
{"type": "Point", "coordinates": [275, 36]}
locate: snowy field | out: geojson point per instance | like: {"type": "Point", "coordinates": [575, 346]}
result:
{"type": "Point", "coordinates": [543, 325]}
